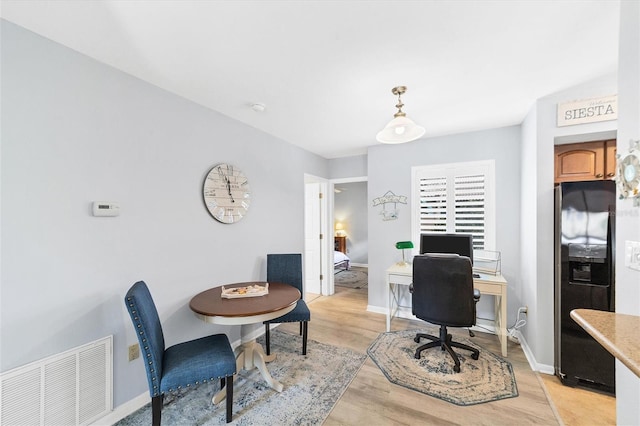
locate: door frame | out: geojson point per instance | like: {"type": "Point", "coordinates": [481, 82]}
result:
{"type": "Point", "coordinates": [326, 249]}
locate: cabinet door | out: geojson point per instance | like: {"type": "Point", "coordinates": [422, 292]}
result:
{"type": "Point", "coordinates": [580, 161]}
{"type": "Point", "coordinates": [610, 159]}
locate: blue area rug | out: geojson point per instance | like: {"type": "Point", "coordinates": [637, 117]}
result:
{"type": "Point", "coordinates": [312, 386]}
{"type": "Point", "coordinates": [356, 277]}
{"type": "Point", "coordinates": [489, 378]}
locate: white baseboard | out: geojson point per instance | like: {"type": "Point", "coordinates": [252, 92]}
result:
{"type": "Point", "coordinates": [482, 326]}
{"type": "Point", "coordinates": [535, 366]}
{"type": "Point", "coordinates": [141, 400]}
{"type": "Point", "coordinates": [124, 410]}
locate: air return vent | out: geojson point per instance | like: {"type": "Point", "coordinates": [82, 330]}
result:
{"type": "Point", "coordinates": [70, 388]}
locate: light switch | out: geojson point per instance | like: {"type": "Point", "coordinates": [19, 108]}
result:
{"type": "Point", "coordinates": [632, 255]}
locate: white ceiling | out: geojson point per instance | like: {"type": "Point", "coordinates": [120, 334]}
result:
{"type": "Point", "coordinates": [325, 69]}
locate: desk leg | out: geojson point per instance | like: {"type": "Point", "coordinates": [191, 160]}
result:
{"type": "Point", "coordinates": [389, 291]}
{"type": "Point", "coordinates": [501, 321]}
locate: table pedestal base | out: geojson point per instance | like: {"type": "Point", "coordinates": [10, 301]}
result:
{"type": "Point", "coordinates": [250, 355]}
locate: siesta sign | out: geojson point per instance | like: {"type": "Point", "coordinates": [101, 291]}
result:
{"type": "Point", "coordinates": [588, 111]}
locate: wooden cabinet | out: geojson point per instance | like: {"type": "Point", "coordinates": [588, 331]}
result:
{"type": "Point", "coordinates": [585, 161]}
{"type": "Point", "coordinates": [610, 160]}
{"type": "Point", "coordinates": [340, 244]}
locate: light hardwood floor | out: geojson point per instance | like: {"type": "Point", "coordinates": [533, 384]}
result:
{"type": "Point", "coordinates": [370, 399]}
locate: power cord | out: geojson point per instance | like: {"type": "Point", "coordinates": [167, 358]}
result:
{"type": "Point", "coordinates": [518, 324]}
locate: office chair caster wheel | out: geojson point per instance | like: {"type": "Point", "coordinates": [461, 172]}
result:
{"type": "Point", "coordinates": [416, 339]}
{"type": "Point", "coordinates": [417, 356]}
{"type": "Point", "coordinates": [475, 356]}
{"type": "Point", "coordinates": [456, 368]}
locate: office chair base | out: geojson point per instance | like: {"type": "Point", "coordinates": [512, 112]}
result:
{"type": "Point", "coordinates": [446, 343]}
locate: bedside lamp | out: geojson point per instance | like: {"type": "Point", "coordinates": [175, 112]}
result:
{"type": "Point", "coordinates": [403, 245]}
{"type": "Point", "coordinates": [339, 229]}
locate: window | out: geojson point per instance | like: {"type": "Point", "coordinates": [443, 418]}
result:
{"type": "Point", "coordinates": [455, 198]}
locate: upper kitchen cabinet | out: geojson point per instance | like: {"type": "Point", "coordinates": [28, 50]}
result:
{"type": "Point", "coordinates": [585, 161]}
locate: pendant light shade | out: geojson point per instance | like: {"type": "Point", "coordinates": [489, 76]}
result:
{"type": "Point", "coordinates": [401, 129]}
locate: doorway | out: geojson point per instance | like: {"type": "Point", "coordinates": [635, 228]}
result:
{"type": "Point", "coordinates": [319, 232]}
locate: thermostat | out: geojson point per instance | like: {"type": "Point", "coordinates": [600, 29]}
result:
{"type": "Point", "coordinates": [105, 208]}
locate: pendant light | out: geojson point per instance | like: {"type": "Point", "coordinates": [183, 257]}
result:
{"type": "Point", "coordinates": [401, 129]}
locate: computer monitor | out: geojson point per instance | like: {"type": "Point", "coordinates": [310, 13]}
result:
{"type": "Point", "coordinates": [461, 244]}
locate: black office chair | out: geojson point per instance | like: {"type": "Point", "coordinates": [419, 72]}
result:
{"type": "Point", "coordinates": [443, 294]}
{"type": "Point", "coordinates": [287, 268]}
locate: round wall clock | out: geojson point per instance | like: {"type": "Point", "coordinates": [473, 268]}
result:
{"type": "Point", "coordinates": [629, 175]}
{"type": "Point", "coordinates": [226, 193]}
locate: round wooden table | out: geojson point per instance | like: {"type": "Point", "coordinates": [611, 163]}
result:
{"type": "Point", "coordinates": [211, 307]}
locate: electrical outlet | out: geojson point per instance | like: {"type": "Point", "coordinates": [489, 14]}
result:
{"type": "Point", "coordinates": [632, 255]}
{"type": "Point", "coordinates": [134, 352]}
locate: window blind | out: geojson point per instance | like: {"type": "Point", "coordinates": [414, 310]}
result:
{"type": "Point", "coordinates": [456, 198]}
{"type": "Point", "coordinates": [469, 202]}
{"type": "Point", "coordinates": [433, 204]}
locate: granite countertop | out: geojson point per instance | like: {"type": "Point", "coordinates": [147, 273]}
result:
{"type": "Point", "coordinates": [617, 333]}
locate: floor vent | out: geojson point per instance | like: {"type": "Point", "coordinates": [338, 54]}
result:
{"type": "Point", "coordinates": [70, 388]}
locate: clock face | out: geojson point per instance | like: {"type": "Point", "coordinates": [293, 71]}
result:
{"type": "Point", "coordinates": [226, 193]}
{"type": "Point", "coordinates": [629, 175]}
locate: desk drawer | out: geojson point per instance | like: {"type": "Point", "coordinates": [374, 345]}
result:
{"type": "Point", "coordinates": [486, 288]}
{"type": "Point", "coordinates": [400, 279]}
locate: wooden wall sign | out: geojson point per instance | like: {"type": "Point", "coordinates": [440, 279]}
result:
{"type": "Point", "coordinates": [588, 111]}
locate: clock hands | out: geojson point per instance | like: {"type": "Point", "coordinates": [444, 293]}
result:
{"type": "Point", "coordinates": [221, 173]}
{"type": "Point", "coordinates": [229, 189]}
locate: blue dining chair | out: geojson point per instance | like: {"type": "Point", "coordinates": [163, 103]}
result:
{"type": "Point", "coordinates": [182, 365]}
{"type": "Point", "coordinates": [287, 268]}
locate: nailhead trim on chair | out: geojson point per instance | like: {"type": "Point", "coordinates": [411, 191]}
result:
{"type": "Point", "coordinates": [152, 370]}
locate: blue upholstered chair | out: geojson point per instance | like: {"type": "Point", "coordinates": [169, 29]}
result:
{"type": "Point", "coordinates": [182, 365]}
{"type": "Point", "coordinates": [287, 269]}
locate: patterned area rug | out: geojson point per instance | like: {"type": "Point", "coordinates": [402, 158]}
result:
{"type": "Point", "coordinates": [356, 277]}
{"type": "Point", "coordinates": [312, 385]}
{"type": "Point", "coordinates": [489, 378]}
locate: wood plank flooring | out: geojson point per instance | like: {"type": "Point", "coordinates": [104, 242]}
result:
{"type": "Point", "coordinates": [370, 399]}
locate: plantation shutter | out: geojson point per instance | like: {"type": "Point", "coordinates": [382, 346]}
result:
{"type": "Point", "coordinates": [469, 201]}
{"type": "Point", "coordinates": [433, 204]}
{"type": "Point", "coordinates": [455, 198]}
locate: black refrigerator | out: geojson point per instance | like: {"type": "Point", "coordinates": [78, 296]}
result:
{"type": "Point", "coordinates": [585, 266]}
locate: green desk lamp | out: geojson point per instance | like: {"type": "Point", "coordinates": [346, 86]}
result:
{"type": "Point", "coordinates": [403, 245]}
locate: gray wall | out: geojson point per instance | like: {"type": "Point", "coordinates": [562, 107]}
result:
{"type": "Point", "coordinates": [390, 169]}
{"type": "Point", "coordinates": [350, 208]}
{"type": "Point", "coordinates": [628, 216]}
{"type": "Point", "coordinates": [75, 131]}
{"type": "Point", "coordinates": [539, 134]}
{"type": "Point", "coordinates": [347, 167]}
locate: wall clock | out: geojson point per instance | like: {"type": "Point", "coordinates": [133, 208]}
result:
{"type": "Point", "coordinates": [226, 193]}
{"type": "Point", "coordinates": [629, 173]}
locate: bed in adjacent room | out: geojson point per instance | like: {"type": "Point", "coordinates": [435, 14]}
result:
{"type": "Point", "coordinates": [340, 262]}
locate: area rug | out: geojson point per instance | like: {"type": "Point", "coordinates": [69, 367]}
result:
{"type": "Point", "coordinates": [356, 277]}
{"type": "Point", "coordinates": [489, 378]}
{"type": "Point", "coordinates": [312, 385]}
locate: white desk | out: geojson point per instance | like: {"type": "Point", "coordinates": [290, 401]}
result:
{"type": "Point", "coordinates": [495, 285]}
